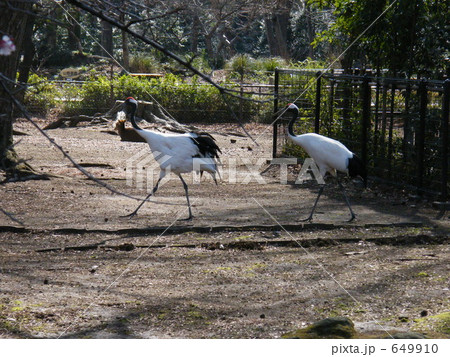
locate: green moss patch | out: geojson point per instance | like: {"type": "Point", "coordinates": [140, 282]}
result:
{"type": "Point", "coordinates": [436, 324]}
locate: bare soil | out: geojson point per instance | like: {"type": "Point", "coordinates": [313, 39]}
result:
{"type": "Point", "coordinates": [246, 266]}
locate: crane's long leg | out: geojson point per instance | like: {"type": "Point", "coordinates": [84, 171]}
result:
{"type": "Point", "coordinates": [146, 198]}
{"type": "Point", "coordinates": [187, 198]}
{"type": "Point", "coordinates": [315, 204]}
{"type": "Point", "coordinates": [353, 216]}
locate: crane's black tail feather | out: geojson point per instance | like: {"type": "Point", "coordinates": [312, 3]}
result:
{"type": "Point", "coordinates": [206, 145]}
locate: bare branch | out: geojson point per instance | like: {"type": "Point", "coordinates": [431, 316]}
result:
{"type": "Point", "coordinates": [101, 15]}
{"type": "Point", "coordinates": [223, 90]}
{"type": "Point", "coordinates": [152, 43]}
{"type": "Point", "coordinates": [171, 12]}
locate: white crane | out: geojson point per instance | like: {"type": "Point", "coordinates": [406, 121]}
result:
{"type": "Point", "coordinates": [330, 156]}
{"type": "Point", "coordinates": [180, 151]}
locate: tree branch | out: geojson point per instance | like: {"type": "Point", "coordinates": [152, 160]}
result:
{"type": "Point", "coordinates": [152, 43]}
{"type": "Point", "coordinates": [168, 13]}
{"type": "Point", "coordinates": [156, 45]}
{"type": "Point", "coordinates": [159, 47]}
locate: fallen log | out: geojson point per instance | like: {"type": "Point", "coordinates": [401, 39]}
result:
{"type": "Point", "coordinates": [74, 120]}
{"type": "Point", "coordinates": [148, 111]}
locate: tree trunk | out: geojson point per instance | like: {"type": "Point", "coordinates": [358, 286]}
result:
{"type": "Point", "coordinates": [125, 51]}
{"type": "Point", "coordinates": [281, 32]}
{"type": "Point", "coordinates": [277, 29]}
{"type": "Point", "coordinates": [310, 29]}
{"type": "Point", "coordinates": [50, 39]}
{"type": "Point", "coordinates": [271, 36]}
{"type": "Point", "coordinates": [12, 23]}
{"type": "Point", "coordinates": [195, 34]}
{"type": "Point", "coordinates": [209, 46]}
{"type": "Point", "coordinates": [125, 48]}
{"type": "Point", "coordinates": [74, 32]}
{"type": "Point", "coordinates": [107, 39]}
{"type": "Point", "coordinates": [28, 54]}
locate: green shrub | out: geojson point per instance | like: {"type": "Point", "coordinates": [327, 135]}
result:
{"type": "Point", "coordinates": [191, 101]}
{"type": "Point", "coordinates": [144, 63]}
{"type": "Point", "coordinates": [40, 95]}
{"type": "Point", "coordinates": [201, 63]}
{"type": "Point", "coordinates": [71, 94]}
{"type": "Point", "coordinates": [240, 66]}
{"type": "Point", "coordinates": [269, 64]}
{"type": "Point", "coordinates": [97, 94]}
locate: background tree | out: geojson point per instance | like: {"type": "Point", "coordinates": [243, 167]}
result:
{"type": "Point", "coordinates": [277, 29]}
{"type": "Point", "coordinates": [411, 37]}
{"type": "Point", "coordinates": [13, 23]}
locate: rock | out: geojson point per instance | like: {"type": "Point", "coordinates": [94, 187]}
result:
{"type": "Point", "coordinates": [334, 327]}
{"type": "Point", "coordinates": [407, 335]}
{"type": "Point", "coordinates": [126, 247]}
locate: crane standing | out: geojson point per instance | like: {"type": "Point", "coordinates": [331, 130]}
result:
{"type": "Point", "coordinates": [330, 156]}
{"type": "Point", "coordinates": [180, 151]}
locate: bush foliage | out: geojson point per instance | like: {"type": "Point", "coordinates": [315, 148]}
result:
{"type": "Point", "coordinates": [186, 100]}
{"type": "Point", "coordinates": [40, 95]}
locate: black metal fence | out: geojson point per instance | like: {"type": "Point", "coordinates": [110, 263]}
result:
{"type": "Point", "coordinates": [399, 127]}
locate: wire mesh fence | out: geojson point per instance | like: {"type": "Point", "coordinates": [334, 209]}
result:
{"type": "Point", "coordinates": [399, 127]}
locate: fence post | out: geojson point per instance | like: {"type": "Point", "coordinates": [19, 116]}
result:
{"type": "Point", "coordinates": [365, 125]}
{"type": "Point", "coordinates": [318, 98]}
{"type": "Point", "coordinates": [391, 129]}
{"type": "Point", "coordinates": [275, 110]}
{"type": "Point", "coordinates": [376, 132]}
{"type": "Point", "coordinates": [445, 138]}
{"type": "Point", "coordinates": [407, 130]}
{"type": "Point", "coordinates": [423, 102]}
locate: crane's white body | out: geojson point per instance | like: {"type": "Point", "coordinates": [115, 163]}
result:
{"type": "Point", "coordinates": [329, 154]}
{"type": "Point", "coordinates": [177, 153]}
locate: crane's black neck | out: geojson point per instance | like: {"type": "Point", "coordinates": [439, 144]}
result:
{"type": "Point", "coordinates": [131, 110]}
{"type": "Point", "coordinates": [294, 112]}
{"type": "Point", "coordinates": [133, 122]}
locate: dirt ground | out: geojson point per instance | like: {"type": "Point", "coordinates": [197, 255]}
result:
{"type": "Point", "coordinates": [246, 266]}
